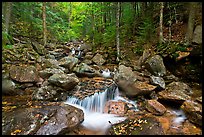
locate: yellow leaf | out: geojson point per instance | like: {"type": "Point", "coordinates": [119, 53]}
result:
{"type": "Point", "coordinates": [4, 103]}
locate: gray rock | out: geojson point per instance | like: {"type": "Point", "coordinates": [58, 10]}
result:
{"type": "Point", "coordinates": [98, 59]}
{"type": "Point", "coordinates": [24, 73]}
{"type": "Point", "coordinates": [40, 121]}
{"type": "Point", "coordinates": [176, 92]}
{"type": "Point", "coordinates": [159, 81]}
{"type": "Point", "coordinates": [65, 81]}
{"type": "Point", "coordinates": [197, 35]}
{"type": "Point", "coordinates": [46, 93]}
{"type": "Point", "coordinates": [51, 63]}
{"type": "Point", "coordinates": [156, 66]}
{"type": "Point", "coordinates": [8, 87]}
{"type": "Point", "coordinates": [68, 62]}
{"type": "Point", "coordinates": [125, 73]}
{"type": "Point", "coordinates": [135, 89]}
{"type": "Point", "coordinates": [46, 73]}
{"type": "Point", "coordinates": [84, 70]}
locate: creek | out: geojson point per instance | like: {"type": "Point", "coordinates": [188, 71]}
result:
{"type": "Point", "coordinates": [93, 107]}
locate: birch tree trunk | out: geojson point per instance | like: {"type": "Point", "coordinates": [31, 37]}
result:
{"type": "Point", "coordinates": [161, 23]}
{"type": "Point", "coordinates": [44, 23]}
{"type": "Point", "coordinates": [117, 31]}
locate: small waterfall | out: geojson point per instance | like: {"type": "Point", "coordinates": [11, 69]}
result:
{"type": "Point", "coordinates": [92, 106]}
{"type": "Point", "coordinates": [96, 102]}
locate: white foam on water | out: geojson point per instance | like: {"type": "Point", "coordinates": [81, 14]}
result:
{"type": "Point", "coordinates": [92, 106]}
{"type": "Point", "coordinates": [180, 117]}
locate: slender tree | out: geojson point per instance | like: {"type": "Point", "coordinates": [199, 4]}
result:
{"type": "Point", "coordinates": [44, 23]}
{"type": "Point", "coordinates": [117, 30]}
{"type": "Point", "coordinates": [7, 14]}
{"type": "Point", "coordinates": [161, 23]}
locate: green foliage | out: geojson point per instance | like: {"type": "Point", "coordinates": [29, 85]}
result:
{"type": "Point", "coordinates": [7, 46]}
{"type": "Point", "coordinates": [146, 30]}
{"type": "Point", "coordinates": [109, 36]}
{"type": "Point", "coordinates": [6, 39]}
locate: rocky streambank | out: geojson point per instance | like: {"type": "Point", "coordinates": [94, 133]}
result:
{"type": "Point", "coordinates": [37, 80]}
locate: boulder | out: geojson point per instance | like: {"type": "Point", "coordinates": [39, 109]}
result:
{"type": "Point", "coordinates": [46, 73]}
{"type": "Point", "coordinates": [24, 73]}
{"type": "Point", "coordinates": [125, 73]}
{"type": "Point", "coordinates": [65, 81]}
{"type": "Point", "coordinates": [135, 89]}
{"type": "Point", "coordinates": [49, 92]}
{"type": "Point", "coordinates": [51, 63]}
{"type": "Point", "coordinates": [193, 111]}
{"type": "Point", "coordinates": [84, 70]}
{"type": "Point", "coordinates": [98, 59]}
{"type": "Point", "coordinates": [158, 81]}
{"type": "Point", "coordinates": [155, 107]}
{"type": "Point", "coordinates": [63, 121]}
{"type": "Point", "coordinates": [156, 66]}
{"type": "Point", "coordinates": [8, 87]}
{"type": "Point", "coordinates": [68, 62]}
{"type": "Point", "coordinates": [48, 120]}
{"type": "Point", "coordinates": [115, 107]}
{"type": "Point", "coordinates": [197, 35]}
{"type": "Point", "coordinates": [176, 91]}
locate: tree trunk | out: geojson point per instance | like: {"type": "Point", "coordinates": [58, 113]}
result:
{"type": "Point", "coordinates": [93, 25]}
{"type": "Point", "coordinates": [44, 23]}
{"type": "Point", "coordinates": [7, 14]}
{"type": "Point", "coordinates": [161, 23]}
{"type": "Point", "coordinates": [191, 22]}
{"type": "Point", "coordinates": [117, 30]}
{"type": "Point", "coordinates": [69, 15]}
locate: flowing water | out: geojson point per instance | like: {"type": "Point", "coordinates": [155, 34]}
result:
{"type": "Point", "coordinates": [93, 106]}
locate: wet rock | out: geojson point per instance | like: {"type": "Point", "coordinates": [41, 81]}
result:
{"type": "Point", "coordinates": [155, 107]}
{"type": "Point", "coordinates": [135, 89]}
{"type": "Point", "coordinates": [40, 121]}
{"type": "Point", "coordinates": [83, 70]}
{"type": "Point", "coordinates": [159, 81]}
{"type": "Point", "coordinates": [176, 91]}
{"type": "Point", "coordinates": [65, 119]}
{"type": "Point", "coordinates": [48, 92]}
{"type": "Point", "coordinates": [68, 62]}
{"type": "Point", "coordinates": [23, 73]}
{"type": "Point", "coordinates": [8, 87]}
{"type": "Point", "coordinates": [98, 59]}
{"type": "Point", "coordinates": [46, 73]}
{"type": "Point", "coordinates": [156, 66]}
{"type": "Point", "coordinates": [193, 111]}
{"type": "Point", "coordinates": [65, 81]}
{"type": "Point", "coordinates": [125, 73]}
{"type": "Point", "coordinates": [197, 35]}
{"type": "Point", "coordinates": [115, 107]}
